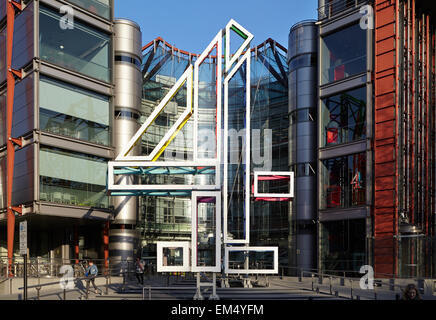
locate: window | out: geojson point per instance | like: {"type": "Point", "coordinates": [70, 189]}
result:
{"type": "Point", "coordinates": [129, 60]}
{"type": "Point", "coordinates": [343, 54]}
{"type": "Point", "coordinates": [168, 211]}
{"type": "Point", "coordinates": [343, 181]}
{"type": "Point", "coordinates": [3, 55]}
{"type": "Point", "coordinates": [101, 8]}
{"type": "Point", "coordinates": [2, 119]}
{"type": "Point", "coordinates": [81, 49]}
{"type": "Point", "coordinates": [344, 117]}
{"type": "Point", "coordinates": [72, 178]}
{"type": "Point", "coordinates": [305, 60]}
{"type": "Point", "coordinates": [74, 112]}
{"type": "Point", "coordinates": [303, 115]}
{"type": "Point", "coordinates": [343, 245]}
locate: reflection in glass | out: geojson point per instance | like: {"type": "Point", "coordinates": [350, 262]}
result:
{"type": "Point", "coordinates": [101, 8]}
{"type": "Point", "coordinates": [343, 245]}
{"type": "Point", "coordinates": [343, 181]}
{"type": "Point", "coordinates": [251, 260]}
{"type": "Point", "coordinates": [172, 257]}
{"type": "Point", "coordinates": [70, 111]}
{"type": "Point", "coordinates": [72, 178]}
{"type": "Point", "coordinates": [341, 59]}
{"type": "Point", "coordinates": [81, 49]}
{"type": "Point", "coordinates": [344, 117]}
{"type": "Point", "coordinates": [236, 169]}
{"type": "Point", "coordinates": [206, 230]}
{"type": "Point", "coordinates": [3, 55]}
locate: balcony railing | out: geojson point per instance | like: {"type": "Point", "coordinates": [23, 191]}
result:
{"type": "Point", "coordinates": [334, 7]}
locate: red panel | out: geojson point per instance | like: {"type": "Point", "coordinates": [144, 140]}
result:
{"type": "Point", "coordinates": [385, 100]}
{"type": "Point", "coordinates": [385, 84]}
{"type": "Point", "coordinates": [384, 130]}
{"type": "Point", "coordinates": [384, 198]}
{"type": "Point", "coordinates": [384, 183]}
{"type": "Point", "coordinates": [384, 154]}
{"type": "Point", "coordinates": [386, 114]}
{"type": "Point", "coordinates": [385, 46]}
{"type": "Point", "coordinates": [385, 169]}
{"type": "Point", "coordinates": [385, 140]}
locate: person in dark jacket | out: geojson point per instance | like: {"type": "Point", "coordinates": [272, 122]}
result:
{"type": "Point", "coordinates": [411, 293]}
{"type": "Point", "coordinates": [139, 270]}
{"type": "Point", "coordinates": [90, 274]}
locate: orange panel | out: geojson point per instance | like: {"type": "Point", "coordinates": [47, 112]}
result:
{"type": "Point", "coordinates": [385, 183]}
{"type": "Point", "coordinates": [384, 154]}
{"type": "Point", "coordinates": [384, 198]}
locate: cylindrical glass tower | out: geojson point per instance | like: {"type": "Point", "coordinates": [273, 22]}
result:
{"type": "Point", "coordinates": [302, 60]}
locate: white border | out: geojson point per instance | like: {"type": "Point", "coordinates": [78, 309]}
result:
{"type": "Point", "coordinates": [246, 240]}
{"type": "Point", "coordinates": [219, 41]}
{"type": "Point", "coordinates": [111, 186]}
{"type": "Point", "coordinates": [185, 245]}
{"type": "Point", "coordinates": [195, 195]}
{"type": "Point", "coordinates": [273, 195]}
{"type": "Point", "coordinates": [188, 77]}
{"type": "Point", "coordinates": [230, 61]}
{"type": "Point", "coordinates": [275, 270]}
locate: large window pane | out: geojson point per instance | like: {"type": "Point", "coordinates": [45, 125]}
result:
{"type": "Point", "coordinates": [3, 119]}
{"type": "Point", "coordinates": [81, 49]}
{"type": "Point", "coordinates": [72, 178]}
{"type": "Point", "coordinates": [206, 231]}
{"type": "Point", "coordinates": [344, 117]}
{"type": "Point", "coordinates": [343, 246]}
{"type": "Point", "coordinates": [73, 112]}
{"type": "Point", "coordinates": [343, 181]}
{"type": "Point", "coordinates": [343, 54]}
{"type": "Point", "coordinates": [3, 55]}
{"type": "Point", "coordinates": [101, 8]}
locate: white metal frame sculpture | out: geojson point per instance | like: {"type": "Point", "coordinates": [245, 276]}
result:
{"type": "Point", "coordinates": [194, 225]}
{"type": "Point", "coordinates": [273, 195]}
{"type": "Point", "coordinates": [274, 270]}
{"type": "Point", "coordinates": [150, 164]}
{"type": "Point", "coordinates": [184, 245]}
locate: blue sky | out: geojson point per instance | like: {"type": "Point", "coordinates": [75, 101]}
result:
{"type": "Point", "coordinates": [191, 24]}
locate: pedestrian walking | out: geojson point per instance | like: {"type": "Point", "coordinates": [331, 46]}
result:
{"type": "Point", "coordinates": [139, 269]}
{"type": "Point", "coordinates": [90, 274]}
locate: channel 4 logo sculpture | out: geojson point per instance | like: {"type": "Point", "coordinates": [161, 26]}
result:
{"type": "Point", "coordinates": [210, 186]}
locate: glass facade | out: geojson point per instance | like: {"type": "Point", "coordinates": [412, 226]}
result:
{"type": "Point", "coordinates": [82, 49]}
{"type": "Point", "coordinates": [165, 217]}
{"type": "Point", "coordinates": [206, 232]}
{"type": "Point", "coordinates": [3, 55]}
{"type": "Point", "coordinates": [343, 181]}
{"type": "Point", "coordinates": [74, 112]}
{"type": "Point", "coordinates": [101, 8]}
{"type": "Point", "coordinates": [343, 58]}
{"type": "Point", "coordinates": [2, 119]}
{"type": "Point", "coordinates": [343, 246]}
{"type": "Point", "coordinates": [72, 178]}
{"type": "Point", "coordinates": [344, 117]}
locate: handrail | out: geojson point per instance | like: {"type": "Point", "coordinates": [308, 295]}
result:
{"type": "Point", "coordinates": [377, 282]}
{"type": "Point", "coordinates": [38, 287]}
{"type": "Point", "coordinates": [57, 282]}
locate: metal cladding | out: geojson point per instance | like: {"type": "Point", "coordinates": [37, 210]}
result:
{"type": "Point", "coordinates": [302, 55]}
{"type": "Point", "coordinates": [127, 104]}
{"type": "Point", "coordinates": [404, 149]}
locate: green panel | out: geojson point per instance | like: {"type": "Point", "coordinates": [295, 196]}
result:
{"type": "Point", "coordinates": [63, 166]}
{"type": "Point", "coordinates": [239, 32]}
{"type": "Point", "coordinates": [76, 103]}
